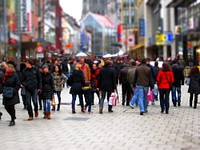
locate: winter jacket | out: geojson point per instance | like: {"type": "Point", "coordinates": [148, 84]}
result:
{"type": "Point", "coordinates": [12, 81]}
{"type": "Point", "coordinates": [178, 75]}
{"type": "Point", "coordinates": [107, 79]}
{"type": "Point", "coordinates": [94, 78]}
{"type": "Point", "coordinates": [143, 77]}
{"type": "Point", "coordinates": [165, 79]}
{"type": "Point", "coordinates": [123, 75]}
{"type": "Point", "coordinates": [78, 82]}
{"type": "Point", "coordinates": [131, 73]}
{"type": "Point", "coordinates": [85, 68]}
{"type": "Point", "coordinates": [194, 86]}
{"type": "Point", "coordinates": [59, 80]}
{"type": "Point", "coordinates": [31, 79]}
{"type": "Point", "coordinates": [47, 85]}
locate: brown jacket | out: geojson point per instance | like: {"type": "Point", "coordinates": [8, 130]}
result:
{"type": "Point", "coordinates": [86, 71]}
{"type": "Point", "coordinates": [143, 77]}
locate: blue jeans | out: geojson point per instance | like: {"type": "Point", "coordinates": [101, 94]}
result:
{"type": "Point", "coordinates": [47, 105]}
{"type": "Point", "coordinates": [74, 100]}
{"type": "Point", "coordinates": [134, 99]}
{"type": "Point", "coordinates": [142, 97]}
{"type": "Point", "coordinates": [33, 95]}
{"type": "Point", "coordinates": [174, 96]}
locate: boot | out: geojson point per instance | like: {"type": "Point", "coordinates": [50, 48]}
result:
{"type": "Point", "coordinates": [58, 108]}
{"type": "Point", "coordinates": [110, 108]}
{"type": "Point", "coordinates": [73, 111]}
{"type": "Point", "coordinates": [179, 104]}
{"type": "Point", "coordinates": [48, 115]}
{"type": "Point", "coordinates": [12, 123]}
{"type": "Point", "coordinates": [45, 115]}
{"type": "Point", "coordinates": [190, 102]}
{"type": "Point", "coordinates": [1, 115]}
{"type": "Point", "coordinates": [195, 103]}
{"type": "Point", "coordinates": [53, 109]}
{"type": "Point", "coordinates": [100, 110]}
{"type": "Point", "coordinates": [83, 110]}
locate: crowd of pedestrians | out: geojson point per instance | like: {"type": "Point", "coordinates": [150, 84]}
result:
{"type": "Point", "coordinates": [40, 81]}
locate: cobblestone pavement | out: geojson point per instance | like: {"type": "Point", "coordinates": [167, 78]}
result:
{"type": "Point", "coordinates": [124, 129]}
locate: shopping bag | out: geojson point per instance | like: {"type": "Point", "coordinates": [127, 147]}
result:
{"type": "Point", "coordinates": [113, 99]}
{"type": "Point", "coordinates": [150, 96]}
{"type": "Point", "coordinates": [53, 102]}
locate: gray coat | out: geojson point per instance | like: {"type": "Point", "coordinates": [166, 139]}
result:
{"type": "Point", "coordinates": [194, 86]}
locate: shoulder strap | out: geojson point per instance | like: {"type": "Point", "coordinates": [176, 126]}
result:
{"type": "Point", "coordinates": [167, 79]}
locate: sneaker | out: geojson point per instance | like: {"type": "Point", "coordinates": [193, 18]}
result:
{"type": "Point", "coordinates": [131, 106]}
{"type": "Point", "coordinates": [141, 113]}
{"type": "Point", "coordinates": [36, 114]}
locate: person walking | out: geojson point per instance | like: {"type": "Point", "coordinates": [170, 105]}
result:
{"type": "Point", "coordinates": [126, 88]}
{"type": "Point", "coordinates": [194, 85]}
{"type": "Point", "coordinates": [95, 71]}
{"type": "Point", "coordinates": [11, 86]}
{"type": "Point", "coordinates": [59, 80]}
{"type": "Point", "coordinates": [31, 80]}
{"type": "Point", "coordinates": [47, 90]}
{"type": "Point", "coordinates": [178, 81]}
{"type": "Point", "coordinates": [107, 85]}
{"type": "Point", "coordinates": [142, 81]}
{"type": "Point", "coordinates": [165, 79]}
{"type": "Point", "coordinates": [78, 82]}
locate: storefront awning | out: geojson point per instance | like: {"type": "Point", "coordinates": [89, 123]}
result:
{"type": "Point", "coordinates": [180, 3]}
{"type": "Point", "coordinates": [138, 46]}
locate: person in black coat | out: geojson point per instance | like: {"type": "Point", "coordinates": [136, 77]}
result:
{"type": "Point", "coordinates": [47, 91]}
{"type": "Point", "coordinates": [76, 88]}
{"type": "Point", "coordinates": [31, 80]}
{"type": "Point", "coordinates": [107, 84]}
{"type": "Point", "coordinates": [178, 81]}
{"type": "Point", "coordinates": [194, 85]}
{"type": "Point", "coordinates": [11, 80]}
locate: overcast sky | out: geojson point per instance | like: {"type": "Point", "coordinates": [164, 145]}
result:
{"type": "Point", "coordinates": [72, 7]}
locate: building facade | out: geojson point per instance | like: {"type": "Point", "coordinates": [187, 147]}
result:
{"type": "Point", "coordinates": [102, 34]}
{"type": "Point", "coordinates": [187, 33]}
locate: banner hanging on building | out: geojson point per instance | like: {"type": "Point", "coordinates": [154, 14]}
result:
{"type": "Point", "coordinates": [26, 16]}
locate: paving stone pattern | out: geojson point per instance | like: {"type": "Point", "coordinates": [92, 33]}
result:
{"type": "Point", "coordinates": [124, 129]}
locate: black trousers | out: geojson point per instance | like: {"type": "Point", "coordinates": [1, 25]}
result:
{"type": "Point", "coordinates": [11, 110]}
{"type": "Point", "coordinates": [126, 93]}
{"type": "Point", "coordinates": [195, 99]}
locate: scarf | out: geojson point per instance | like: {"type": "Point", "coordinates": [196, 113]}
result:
{"type": "Point", "coordinates": [8, 73]}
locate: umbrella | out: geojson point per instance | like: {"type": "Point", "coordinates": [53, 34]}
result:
{"type": "Point", "coordinates": [81, 54]}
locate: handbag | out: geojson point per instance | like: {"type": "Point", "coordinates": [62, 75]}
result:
{"type": "Point", "coordinates": [8, 92]}
{"type": "Point", "coordinates": [53, 102]}
{"type": "Point", "coordinates": [187, 81]}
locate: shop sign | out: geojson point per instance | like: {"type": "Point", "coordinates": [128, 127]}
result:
{"type": "Point", "coordinates": [178, 30]}
{"type": "Point", "coordinates": [40, 55]}
{"type": "Point", "coordinates": [191, 23]}
{"type": "Point", "coordinates": [142, 26]}
{"type": "Point", "coordinates": [40, 49]}
{"type": "Point", "coordinates": [168, 38]}
{"type": "Point", "coordinates": [160, 39]}
{"type": "Point", "coordinates": [26, 21]}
